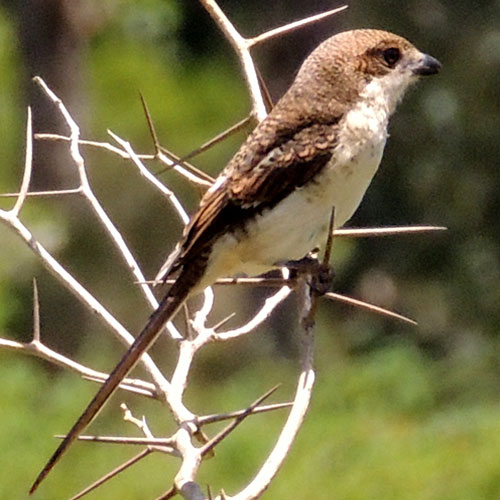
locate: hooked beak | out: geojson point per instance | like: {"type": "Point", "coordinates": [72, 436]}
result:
{"type": "Point", "coordinates": [427, 65]}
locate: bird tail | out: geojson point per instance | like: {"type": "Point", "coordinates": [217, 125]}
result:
{"type": "Point", "coordinates": [164, 312]}
{"type": "Point", "coordinates": [169, 265]}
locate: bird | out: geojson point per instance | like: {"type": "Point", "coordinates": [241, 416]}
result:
{"type": "Point", "coordinates": [318, 149]}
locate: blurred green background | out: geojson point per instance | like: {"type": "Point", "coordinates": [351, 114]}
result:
{"type": "Point", "coordinates": [398, 412]}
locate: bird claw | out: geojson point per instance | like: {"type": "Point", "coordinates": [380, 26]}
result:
{"type": "Point", "coordinates": [321, 274]}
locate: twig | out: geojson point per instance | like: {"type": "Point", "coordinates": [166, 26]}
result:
{"type": "Point", "coordinates": [100, 213]}
{"type": "Point", "coordinates": [301, 402]}
{"type": "Point", "coordinates": [96, 144]}
{"type": "Point", "coordinates": [237, 421]}
{"type": "Point", "coordinates": [241, 47]}
{"type": "Point", "coordinates": [39, 350]}
{"type": "Point", "coordinates": [141, 423]}
{"type": "Point", "coordinates": [82, 294]}
{"type": "Point", "coordinates": [223, 321]}
{"type": "Point", "coordinates": [151, 178]}
{"type": "Point", "coordinates": [269, 305]}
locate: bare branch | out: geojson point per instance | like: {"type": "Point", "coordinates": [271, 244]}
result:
{"type": "Point", "coordinates": [269, 305]}
{"type": "Point", "coordinates": [39, 350]}
{"type": "Point", "coordinates": [96, 144]}
{"type": "Point", "coordinates": [241, 47]}
{"type": "Point", "coordinates": [81, 293]}
{"type": "Point", "coordinates": [294, 421]}
{"type": "Point", "coordinates": [151, 178]}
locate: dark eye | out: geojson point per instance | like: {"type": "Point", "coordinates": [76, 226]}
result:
{"type": "Point", "coordinates": [391, 56]}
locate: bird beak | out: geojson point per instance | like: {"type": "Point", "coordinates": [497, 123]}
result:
{"type": "Point", "coordinates": [427, 65]}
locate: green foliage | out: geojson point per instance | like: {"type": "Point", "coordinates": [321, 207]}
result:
{"type": "Point", "coordinates": [379, 427]}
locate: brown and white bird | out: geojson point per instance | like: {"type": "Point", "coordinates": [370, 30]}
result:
{"type": "Point", "coordinates": [318, 148]}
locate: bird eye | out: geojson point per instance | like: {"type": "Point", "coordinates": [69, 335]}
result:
{"type": "Point", "coordinates": [391, 56]}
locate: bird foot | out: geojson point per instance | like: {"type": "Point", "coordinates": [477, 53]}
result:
{"type": "Point", "coordinates": [321, 274]}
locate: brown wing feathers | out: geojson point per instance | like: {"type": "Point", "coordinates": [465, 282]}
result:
{"type": "Point", "coordinates": [257, 180]}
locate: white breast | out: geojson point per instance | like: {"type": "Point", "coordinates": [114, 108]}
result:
{"type": "Point", "coordinates": [299, 222]}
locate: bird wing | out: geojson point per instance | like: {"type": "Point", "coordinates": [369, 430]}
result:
{"type": "Point", "coordinates": [260, 175]}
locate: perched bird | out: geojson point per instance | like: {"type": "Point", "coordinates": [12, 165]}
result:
{"type": "Point", "coordinates": [317, 149]}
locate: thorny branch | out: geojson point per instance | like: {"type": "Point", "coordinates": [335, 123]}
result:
{"type": "Point", "coordinates": [184, 443]}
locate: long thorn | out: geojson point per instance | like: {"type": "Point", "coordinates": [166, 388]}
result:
{"type": "Point", "coordinates": [169, 494]}
{"type": "Point", "coordinates": [329, 241]}
{"type": "Point", "coordinates": [28, 166]}
{"type": "Point", "coordinates": [178, 161]}
{"type": "Point", "coordinates": [369, 307]}
{"type": "Point", "coordinates": [222, 322]}
{"type": "Point", "coordinates": [210, 143]}
{"type": "Point", "coordinates": [44, 193]}
{"type": "Point", "coordinates": [209, 419]}
{"type": "Point", "coordinates": [227, 430]}
{"type": "Point", "coordinates": [268, 101]}
{"type": "Point", "coordinates": [293, 26]}
{"type": "Point", "coordinates": [113, 473]}
{"type": "Point", "coordinates": [36, 313]}
{"type": "Point", "coordinates": [164, 442]}
{"type": "Point", "coordinates": [151, 126]}
{"type": "Point", "coordinates": [386, 231]}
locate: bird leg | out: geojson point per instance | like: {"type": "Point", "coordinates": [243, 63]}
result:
{"type": "Point", "coordinates": [321, 274]}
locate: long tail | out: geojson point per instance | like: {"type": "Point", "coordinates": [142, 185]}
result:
{"type": "Point", "coordinates": [165, 311]}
